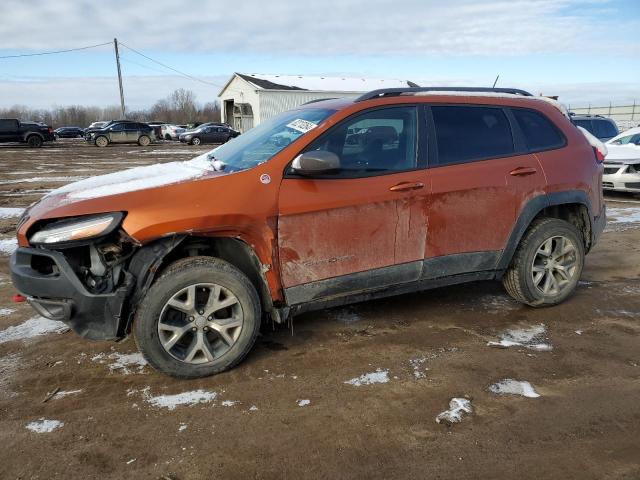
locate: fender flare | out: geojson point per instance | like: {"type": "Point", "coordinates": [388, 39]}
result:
{"type": "Point", "coordinates": [531, 209]}
{"type": "Point", "coordinates": [26, 136]}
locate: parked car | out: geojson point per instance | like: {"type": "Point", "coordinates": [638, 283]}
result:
{"type": "Point", "coordinates": [208, 134]}
{"type": "Point", "coordinates": [90, 129]}
{"type": "Point", "coordinates": [96, 125]}
{"type": "Point", "coordinates": [601, 127]}
{"type": "Point", "coordinates": [171, 132]}
{"type": "Point", "coordinates": [622, 163]}
{"type": "Point", "coordinates": [122, 132]}
{"type": "Point", "coordinates": [69, 132]}
{"type": "Point", "coordinates": [319, 221]}
{"type": "Point", "coordinates": [33, 134]}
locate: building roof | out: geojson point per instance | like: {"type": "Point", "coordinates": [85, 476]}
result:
{"type": "Point", "coordinates": [319, 84]}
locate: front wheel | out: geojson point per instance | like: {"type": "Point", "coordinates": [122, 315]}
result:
{"type": "Point", "coordinates": [144, 141]}
{"type": "Point", "coordinates": [196, 141]}
{"type": "Point", "coordinates": [102, 141]}
{"type": "Point", "coordinates": [200, 318]}
{"type": "Point", "coordinates": [547, 264]}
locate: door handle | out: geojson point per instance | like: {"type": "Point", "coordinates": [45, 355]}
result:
{"type": "Point", "coordinates": [404, 186]}
{"type": "Point", "coordinates": [523, 171]}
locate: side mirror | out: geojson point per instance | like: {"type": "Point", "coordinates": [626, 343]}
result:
{"type": "Point", "coordinates": [316, 162]}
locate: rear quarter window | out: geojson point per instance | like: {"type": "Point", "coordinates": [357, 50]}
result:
{"type": "Point", "coordinates": [465, 133]}
{"type": "Point", "coordinates": [604, 128]}
{"type": "Point", "coordinates": [539, 132]}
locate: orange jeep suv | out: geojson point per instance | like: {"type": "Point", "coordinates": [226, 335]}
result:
{"type": "Point", "coordinates": [337, 201]}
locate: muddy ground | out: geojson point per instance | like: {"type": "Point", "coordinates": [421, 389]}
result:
{"type": "Point", "coordinates": [286, 412]}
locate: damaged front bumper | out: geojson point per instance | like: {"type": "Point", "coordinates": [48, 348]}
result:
{"type": "Point", "coordinates": [60, 295]}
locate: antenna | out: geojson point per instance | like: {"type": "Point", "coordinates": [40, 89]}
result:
{"type": "Point", "coordinates": [494, 83]}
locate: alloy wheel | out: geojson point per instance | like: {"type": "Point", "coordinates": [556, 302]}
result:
{"type": "Point", "coordinates": [200, 323]}
{"type": "Point", "coordinates": [554, 265]}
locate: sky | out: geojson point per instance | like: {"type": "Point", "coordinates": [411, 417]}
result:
{"type": "Point", "coordinates": [587, 52]}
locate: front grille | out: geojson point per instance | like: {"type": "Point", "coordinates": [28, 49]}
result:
{"type": "Point", "coordinates": [632, 185]}
{"type": "Point", "coordinates": [607, 184]}
{"type": "Point", "coordinates": [610, 171]}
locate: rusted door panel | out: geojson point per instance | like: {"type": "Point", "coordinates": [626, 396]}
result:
{"type": "Point", "coordinates": [328, 228]}
{"type": "Point", "coordinates": [474, 205]}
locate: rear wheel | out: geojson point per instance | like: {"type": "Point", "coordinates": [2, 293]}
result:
{"type": "Point", "coordinates": [34, 141]}
{"type": "Point", "coordinates": [102, 141]}
{"type": "Point", "coordinates": [547, 264]}
{"type": "Point", "coordinates": [144, 141]}
{"type": "Point", "coordinates": [195, 141]}
{"type": "Point", "coordinates": [200, 318]}
{"type": "Point", "coordinates": [167, 136]}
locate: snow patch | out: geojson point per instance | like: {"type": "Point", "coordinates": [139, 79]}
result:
{"type": "Point", "coordinates": [623, 215]}
{"type": "Point", "coordinates": [509, 386]}
{"type": "Point", "coordinates": [253, 408]}
{"type": "Point", "coordinates": [193, 397]}
{"type": "Point", "coordinates": [182, 427]}
{"type": "Point", "coordinates": [8, 245]}
{"type": "Point", "coordinates": [533, 338]}
{"type": "Point", "coordinates": [229, 403]}
{"type": "Point", "coordinates": [418, 367]}
{"type": "Point", "coordinates": [458, 407]}
{"type": "Point", "coordinates": [379, 376]}
{"type": "Point", "coordinates": [304, 403]}
{"type": "Point", "coordinates": [6, 311]}
{"type": "Point", "coordinates": [44, 426]}
{"type": "Point", "coordinates": [10, 212]}
{"type": "Point", "coordinates": [125, 363]}
{"type": "Point", "coordinates": [32, 328]}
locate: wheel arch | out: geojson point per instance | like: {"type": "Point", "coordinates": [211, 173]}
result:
{"type": "Point", "coordinates": [151, 260]}
{"type": "Point", "coordinates": [33, 134]}
{"type": "Point", "coordinates": [572, 206]}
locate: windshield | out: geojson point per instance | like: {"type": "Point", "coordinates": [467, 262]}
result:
{"type": "Point", "coordinates": [267, 139]}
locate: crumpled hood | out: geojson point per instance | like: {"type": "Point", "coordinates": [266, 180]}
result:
{"type": "Point", "coordinates": [138, 178]}
{"type": "Point", "coordinates": [623, 153]}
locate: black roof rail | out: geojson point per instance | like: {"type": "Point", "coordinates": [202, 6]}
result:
{"type": "Point", "coordinates": [385, 92]}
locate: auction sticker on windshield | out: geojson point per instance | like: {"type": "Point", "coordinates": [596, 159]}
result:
{"type": "Point", "coordinates": [302, 126]}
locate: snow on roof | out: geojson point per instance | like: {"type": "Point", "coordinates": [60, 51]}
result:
{"type": "Point", "coordinates": [331, 84]}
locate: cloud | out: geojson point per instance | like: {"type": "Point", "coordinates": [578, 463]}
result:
{"type": "Point", "coordinates": [330, 27]}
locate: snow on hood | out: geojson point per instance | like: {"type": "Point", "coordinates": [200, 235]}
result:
{"type": "Point", "coordinates": [138, 178]}
{"type": "Point", "coordinates": [623, 152]}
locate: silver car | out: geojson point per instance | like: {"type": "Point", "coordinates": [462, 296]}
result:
{"type": "Point", "coordinates": [622, 163]}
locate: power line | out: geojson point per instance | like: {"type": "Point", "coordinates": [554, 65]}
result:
{"type": "Point", "coordinates": [55, 52]}
{"type": "Point", "coordinates": [171, 68]}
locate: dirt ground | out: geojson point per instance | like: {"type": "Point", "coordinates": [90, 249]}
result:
{"type": "Point", "coordinates": [252, 422]}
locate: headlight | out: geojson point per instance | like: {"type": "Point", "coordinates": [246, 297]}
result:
{"type": "Point", "coordinates": [76, 229]}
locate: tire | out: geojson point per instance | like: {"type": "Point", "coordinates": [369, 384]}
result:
{"type": "Point", "coordinates": [34, 141]}
{"type": "Point", "coordinates": [101, 141]}
{"type": "Point", "coordinates": [167, 137]}
{"type": "Point", "coordinates": [539, 275]}
{"type": "Point", "coordinates": [196, 141]}
{"type": "Point", "coordinates": [144, 141]}
{"type": "Point", "coordinates": [156, 312]}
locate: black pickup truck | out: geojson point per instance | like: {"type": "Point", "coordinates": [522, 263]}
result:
{"type": "Point", "coordinates": [32, 133]}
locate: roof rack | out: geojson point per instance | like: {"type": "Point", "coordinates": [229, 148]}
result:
{"type": "Point", "coordinates": [388, 92]}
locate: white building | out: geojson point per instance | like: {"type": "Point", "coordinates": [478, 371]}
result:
{"type": "Point", "coordinates": [248, 99]}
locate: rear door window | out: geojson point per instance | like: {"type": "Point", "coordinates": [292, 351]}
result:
{"type": "Point", "coordinates": [468, 133]}
{"type": "Point", "coordinates": [539, 133]}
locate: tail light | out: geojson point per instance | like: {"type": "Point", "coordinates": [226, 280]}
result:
{"type": "Point", "coordinates": [50, 130]}
{"type": "Point", "coordinates": [599, 148]}
{"type": "Point", "coordinates": [599, 154]}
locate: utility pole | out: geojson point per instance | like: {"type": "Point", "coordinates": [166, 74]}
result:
{"type": "Point", "coordinates": [115, 46]}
